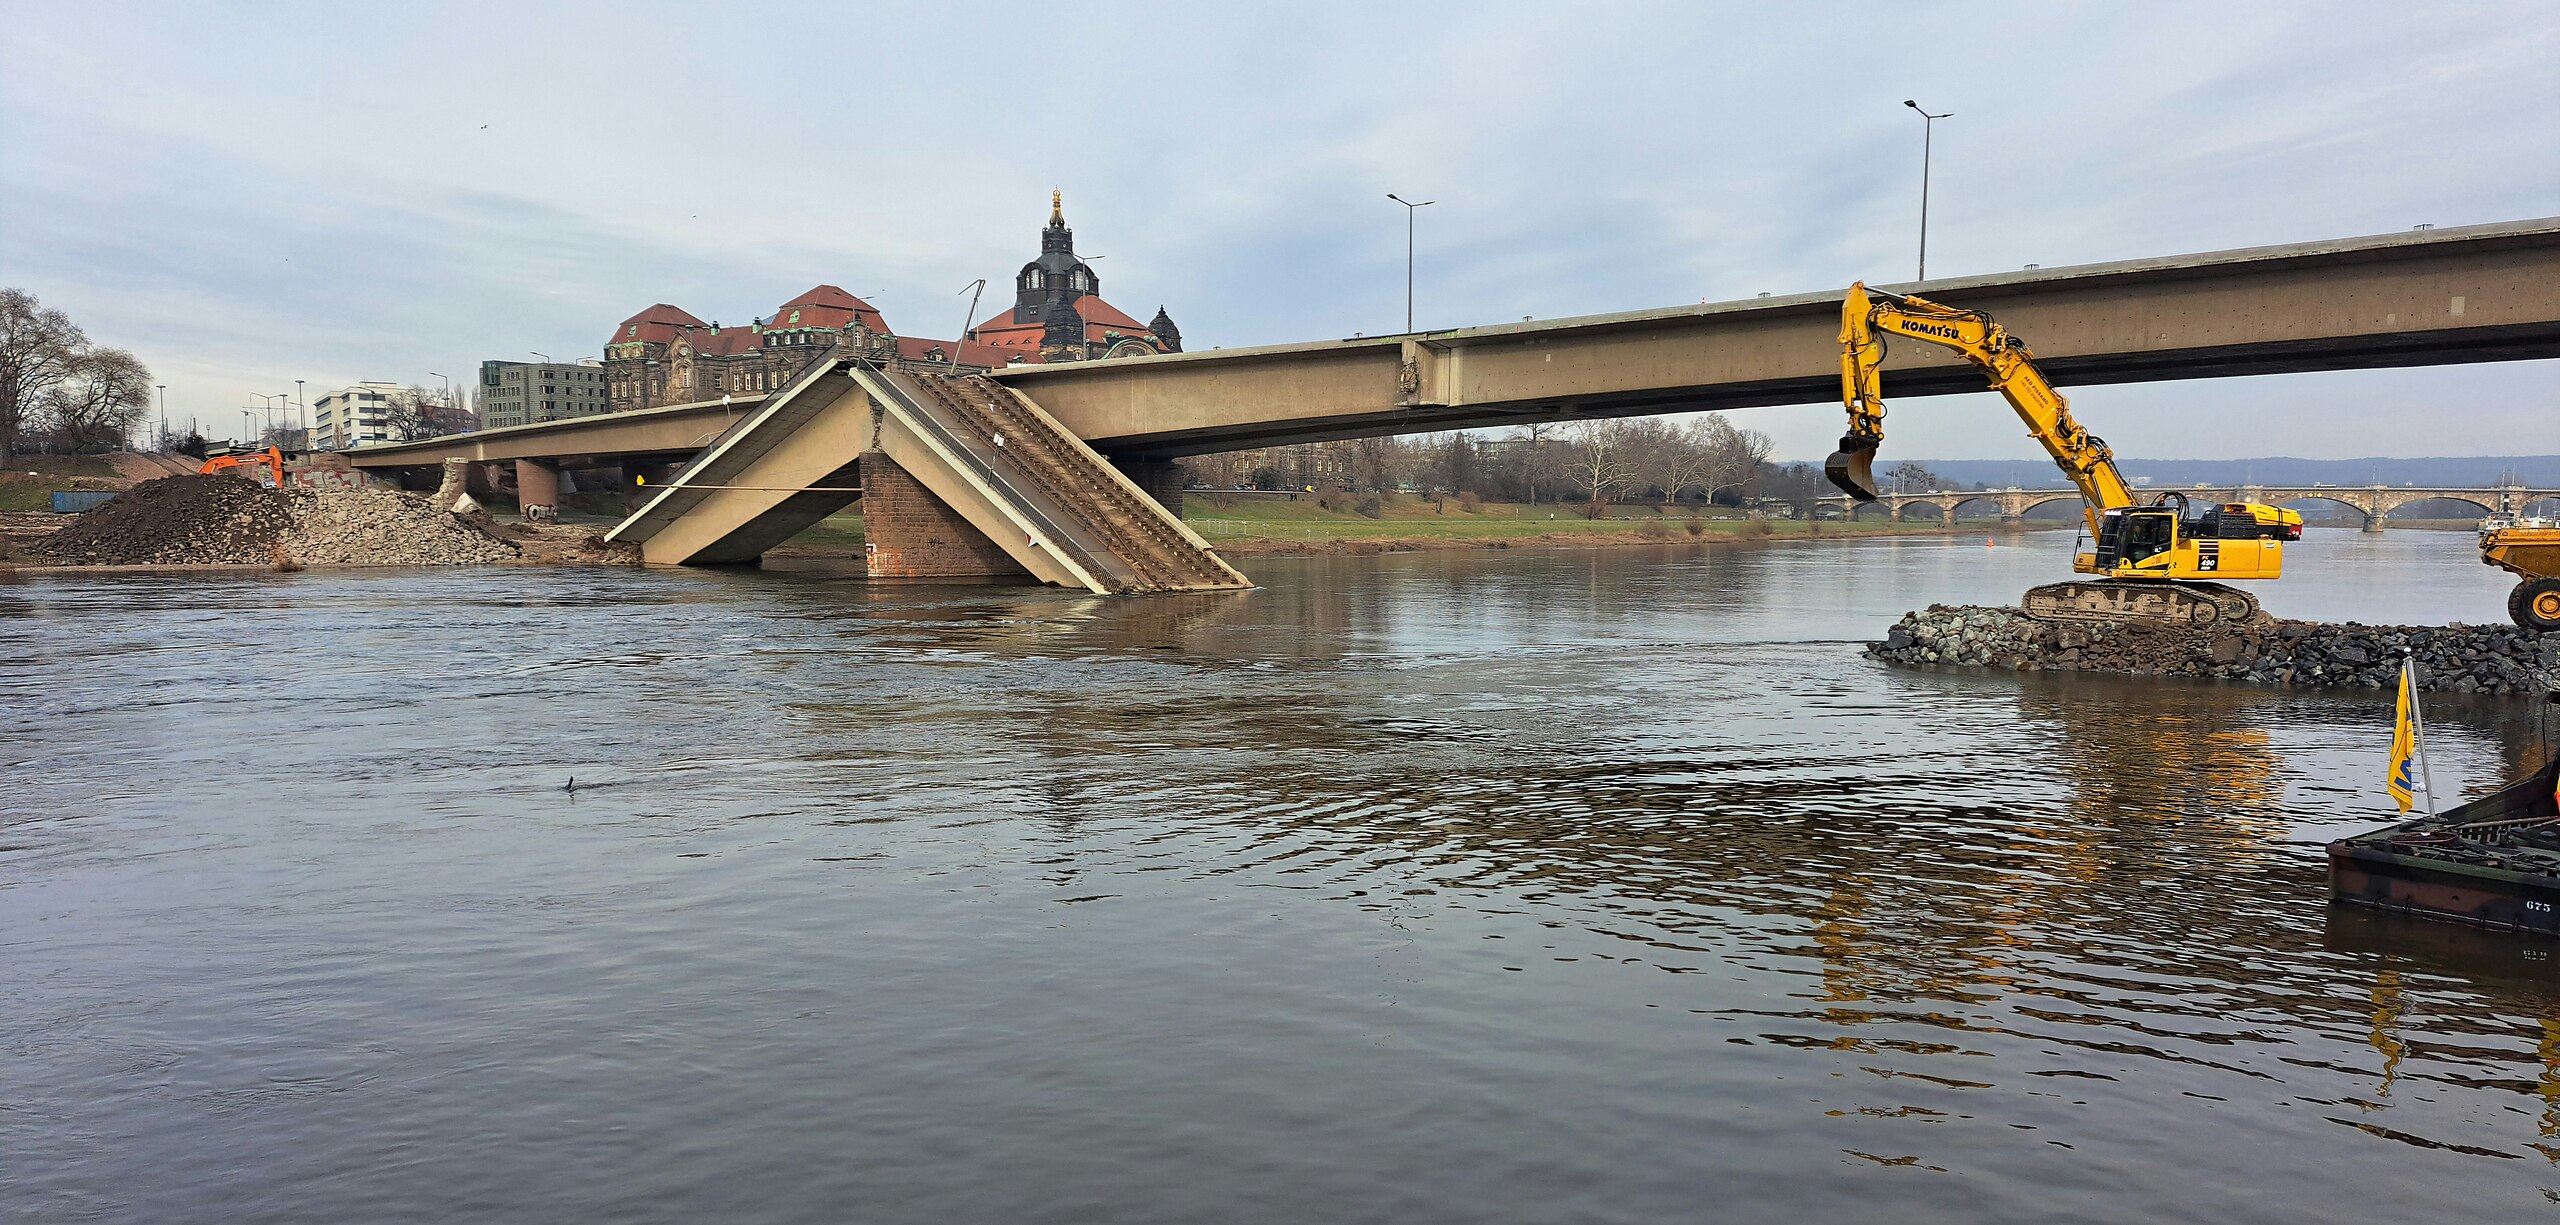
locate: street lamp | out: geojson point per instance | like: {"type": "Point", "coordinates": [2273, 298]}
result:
{"type": "Point", "coordinates": [1928, 134]}
{"type": "Point", "coordinates": [1409, 207]}
{"type": "Point", "coordinates": [164, 415]}
{"type": "Point", "coordinates": [539, 353]}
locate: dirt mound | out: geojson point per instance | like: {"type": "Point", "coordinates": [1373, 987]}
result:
{"type": "Point", "coordinates": [226, 520]}
{"type": "Point", "coordinates": [175, 521]}
{"type": "Point", "coordinates": [374, 526]}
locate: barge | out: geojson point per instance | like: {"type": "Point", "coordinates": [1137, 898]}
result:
{"type": "Point", "coordinates": [2494, 861]}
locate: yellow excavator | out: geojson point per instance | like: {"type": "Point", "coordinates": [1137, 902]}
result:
{"type": "Point", "coordinates": [2157, 561]}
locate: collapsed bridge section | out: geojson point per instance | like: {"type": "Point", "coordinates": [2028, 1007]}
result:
{"type": "Point", "coordinates": [958, 476]}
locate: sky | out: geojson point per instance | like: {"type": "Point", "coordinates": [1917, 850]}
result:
{"type": "Point", "coordinates": [250, 194]}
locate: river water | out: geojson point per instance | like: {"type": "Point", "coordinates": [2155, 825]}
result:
{"type": "Point", "coordinates": [1606, 885]}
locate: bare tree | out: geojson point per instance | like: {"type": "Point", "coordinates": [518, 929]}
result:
{"type": "Point", "coordinates": [1602, 459]}
{"type": "Point", "coordinates": [1911, 477]}
{"type": "Point", "coordinates": [1734, 456]}
{"type": "Point", "coordinates": [417, 413]}
{"type": "Point", "coordinates": [39, 349]}
{"type": "Point", "coordinates": [105, 395]}
{"type": "Point", "coordinates": [1677, 459]}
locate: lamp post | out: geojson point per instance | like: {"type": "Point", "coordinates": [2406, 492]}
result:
{"type": "Point", "coordinates": [1928, 135]}
{"type": "Point", "coordinates": [1409, 207]}
{"type": "Point", "coordinates": [164, 416]}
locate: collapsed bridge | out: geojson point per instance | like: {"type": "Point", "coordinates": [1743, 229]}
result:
{"type": "Point", "coordinates": [2433, 297]}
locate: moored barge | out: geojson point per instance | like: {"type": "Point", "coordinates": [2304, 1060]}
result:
{"type": "Point", "coordinates": [2494, 861]}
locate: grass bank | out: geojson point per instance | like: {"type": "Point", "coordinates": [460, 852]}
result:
{"type": "Point", "coordinates": [1331, 523]}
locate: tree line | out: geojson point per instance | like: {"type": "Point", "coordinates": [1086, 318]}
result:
{"type": "Point", "coordinates": [58, 391]}
{"type": "Point", "coordinates": [1703, 460]}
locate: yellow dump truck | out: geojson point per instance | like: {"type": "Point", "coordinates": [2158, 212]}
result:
{"type": "Point", "coordinates": [2530, 549]}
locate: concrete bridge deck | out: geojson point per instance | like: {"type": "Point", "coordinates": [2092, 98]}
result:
{"type": "Point", "coordinates": [2466, 294]}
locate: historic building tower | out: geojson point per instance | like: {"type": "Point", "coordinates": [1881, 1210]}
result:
{"type": "Point", "coordinates": [1058, 313]}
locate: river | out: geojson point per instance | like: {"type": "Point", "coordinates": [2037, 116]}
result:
{"type": "Point", "coordinates": [1605, 885]}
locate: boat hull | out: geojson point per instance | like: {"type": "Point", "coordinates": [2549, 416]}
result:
{"type": "Point", "coordinates": [2490, 862]}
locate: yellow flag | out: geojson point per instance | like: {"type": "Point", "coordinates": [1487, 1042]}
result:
{"type": "Point", "coordinates": [2403, 783]}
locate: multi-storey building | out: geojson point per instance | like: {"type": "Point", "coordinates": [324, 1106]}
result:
{"type": "Point", "coordinates": [1058, 313]}
{"type": "Point", "coordinates": [664, 355]}
{"type": "Point", "coordinates": [353, 416]}
{"type": "Point", "coordinates": [522, 393]}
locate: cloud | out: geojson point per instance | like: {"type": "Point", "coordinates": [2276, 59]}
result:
{"type": "Point", "coordinates": [253, 194]}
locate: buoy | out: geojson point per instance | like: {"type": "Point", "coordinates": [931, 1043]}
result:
{"type": "Point", "coordinates": [1990, 542]}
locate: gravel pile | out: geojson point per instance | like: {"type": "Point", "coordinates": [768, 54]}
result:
{"type": "Point", "coordinates": [175, 521]}
{"type": "Point", "coordinates": [2498, 659]}
{"type": "Point", "coordinates": [227, 520]}
{"type": "Point", "coordinates": [374, 526]}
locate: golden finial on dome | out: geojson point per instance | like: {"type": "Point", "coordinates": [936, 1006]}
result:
{"type": "Point", "coordinates": [1057, 211]}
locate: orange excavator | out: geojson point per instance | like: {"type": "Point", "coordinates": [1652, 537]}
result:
{"type": "Point", "coordinates": [272, 460]}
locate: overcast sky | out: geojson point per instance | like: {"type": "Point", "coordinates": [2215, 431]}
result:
{"type": "Point", "coordinates": [248, 194]}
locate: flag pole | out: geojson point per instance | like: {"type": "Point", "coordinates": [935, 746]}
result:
{"type": "Point", "coordinates": [2418, 726]}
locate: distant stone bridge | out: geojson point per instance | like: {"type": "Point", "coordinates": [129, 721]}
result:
{"type": "Point", "coordinates": [2374, 502]}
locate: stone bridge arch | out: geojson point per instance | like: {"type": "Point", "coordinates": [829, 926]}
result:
{"type": "Point", "coordinates": [2295, 497]}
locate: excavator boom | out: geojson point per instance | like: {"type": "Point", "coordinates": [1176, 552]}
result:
{"type": "Point", "coordinates": [2158, 564]}
{"type": "Point", "coordinates": [1867, 317]}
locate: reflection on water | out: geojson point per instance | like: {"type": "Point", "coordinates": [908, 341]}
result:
{"type": "Point", "coordinates": [1609, 885]}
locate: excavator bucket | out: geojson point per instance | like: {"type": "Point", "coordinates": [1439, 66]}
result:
{"type": "Point", "coordinates": [1852, 467]}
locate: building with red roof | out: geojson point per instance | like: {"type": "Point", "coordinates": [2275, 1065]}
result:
{"type": "Point", "coordinates": [1058, 313]}
{"type": "Point", "coordinates": [664, 355]}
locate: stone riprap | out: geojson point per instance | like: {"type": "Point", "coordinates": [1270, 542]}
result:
{"type": "Point", "coordinates": [2497, 659]}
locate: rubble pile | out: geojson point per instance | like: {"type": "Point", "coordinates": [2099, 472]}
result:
{"type": "Point", "coordinates": [231, 521]}
{"type": "Point", "coordinates": [175, 521]}
{"type": "Point", "coordinates": [2497, 659]}
{"type": "Point", "coordinates": [374, 526]}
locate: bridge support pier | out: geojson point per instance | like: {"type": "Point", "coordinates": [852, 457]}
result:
{"type": "Point", "coordinates": [537, 484]}
{"type": "Point", "coordinates": [2375, 521]}
{"type": "Point", "coordinates": [1160, 478]}
{"type": "Point", "coordinates": [909, 533]}
{"type": "Point", "coordinates": [640, 482]}
{"type": "Point", "coordinates": [1947, 517]}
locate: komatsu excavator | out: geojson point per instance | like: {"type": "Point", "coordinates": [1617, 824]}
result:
{"type": "Point", "coordinates": [2156, 561]}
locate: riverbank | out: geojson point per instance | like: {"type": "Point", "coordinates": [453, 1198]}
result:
{"type": "Point", "coordinates": [1335, 524]}
{"type": "Point", "coordinates": [2491, 659]}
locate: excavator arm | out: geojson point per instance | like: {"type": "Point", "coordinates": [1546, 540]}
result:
{"type": "Point", "coordinates": [1867, 317]}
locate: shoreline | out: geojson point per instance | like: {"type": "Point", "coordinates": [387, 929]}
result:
{"type": "Point", "coordinates": [1597, 538]}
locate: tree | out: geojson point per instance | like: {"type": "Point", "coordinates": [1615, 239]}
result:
{"type": "Point", "coordinates": [39, 351]}
{"type": "Point", "coordinates": [1602, 458]}
{"type": "Point", "coordinates": [1680, 458]}
{"type": "Point", "coordinates": [1909, 476]}
{"type": "Point", "coordinates": [1734, 456]}
{"type": "Point", "coordinates": [417, 414]}
{"type": "Point", "coordinates": [105, 395]}
{"type": "Point", "coordinates": [1801, 486]}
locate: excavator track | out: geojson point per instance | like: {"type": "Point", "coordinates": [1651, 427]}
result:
{"type": "Point", "coordinates": [2181, 605]}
